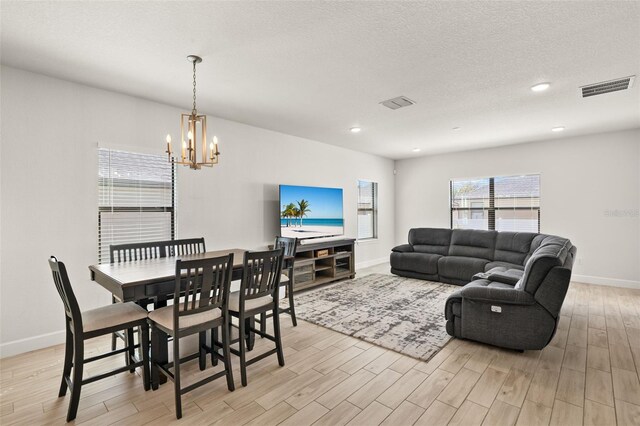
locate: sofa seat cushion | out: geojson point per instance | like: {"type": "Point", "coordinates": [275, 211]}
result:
{"type": "Point", "coordinates": [424, 263]}
{"type": "Point", "coordinates": [459, 267]}
{"type": "Point", "coordinates": [505, 265]}
{"type": "Point", "coordinates": [496, 284]}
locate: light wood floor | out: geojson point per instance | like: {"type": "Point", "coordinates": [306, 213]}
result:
{"type": "Point", "coordinates": [588, 375]}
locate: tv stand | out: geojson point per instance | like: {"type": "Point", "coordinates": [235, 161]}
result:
{"type": "Point", "coordinates": [323, 262]}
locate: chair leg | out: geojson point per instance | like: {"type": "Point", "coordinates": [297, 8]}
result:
{"type": "Point", "coordinates": [114, 336]}
{"type": "Point", "coordinates": [155, 347]}
{"type": "Point", "coordinates": [263, 322]}
{"type": "Point", "coordinates": [214, 348]}
{"type": "Point", "coordinates": [202, 341]}
{"type": "Point", "coordinates": [131, 351]}
{"type": "Point", "coordinates": [144, 349]}
{"type": "Point", "coordinates": [68, 359]}
{"type": "Point", "coordinates": [292, 309]}
{"type": "Point", "coordinates": [226, 353]}
{"type": "Point", "coordinates": [176, 375]}
{"type": "Point", "coordinates": [251, 336]}
{"type": "Point", "coordinates": [78, 366]}
{"type": "Point", "coordinates": [241, 342]}
{"type": "Point", "coordinates": [278, 337]}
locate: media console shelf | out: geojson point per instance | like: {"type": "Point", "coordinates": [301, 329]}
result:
{"type": "Point", "coordinates": [324, 262]}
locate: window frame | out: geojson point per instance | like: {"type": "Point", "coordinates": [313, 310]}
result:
{"type": "Point", "coordinates": [130, 209]}
{"type": "Point", "coordinates": [492, 209]}
{"type": "Point", "coordinates": [373, 210]}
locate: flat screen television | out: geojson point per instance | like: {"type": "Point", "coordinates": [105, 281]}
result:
{"type": "Point", "coordinates": [310, 212]}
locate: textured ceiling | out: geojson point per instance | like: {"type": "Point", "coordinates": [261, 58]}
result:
{"type": "Point", "coordinates": [316, 69]}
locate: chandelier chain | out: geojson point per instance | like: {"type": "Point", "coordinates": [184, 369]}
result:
{"type": "Point", "coordinates": [194, 111]}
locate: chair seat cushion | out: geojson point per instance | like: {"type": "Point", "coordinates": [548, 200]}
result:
{"type": "Point", "coordinates": [249, 304]}
{"type": "Point", "coordinates": [111, 316]}
{"type": "Point", "coordinates": [164, 317]}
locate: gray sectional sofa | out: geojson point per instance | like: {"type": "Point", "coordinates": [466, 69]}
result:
{"type": "Point", "coordinates": [514, 282]}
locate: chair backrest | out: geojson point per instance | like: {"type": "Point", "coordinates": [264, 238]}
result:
{"type": "Point", "coordinates": [61, 281]}
{"type": "Point", "coordinates": [155, 249]}
{"type": "Point", "coordinates": [208, 278]}
{"type": "Point", "coordinates": [261, 274]}
{"type": "Point", "coordinates": [289, 244]}
{"type": "Point", "coordinates": [136, 251]}
{"type": "Point", "coordinates": [184, 246]}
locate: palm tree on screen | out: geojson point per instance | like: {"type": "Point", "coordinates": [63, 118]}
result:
{"type": "Point", "coordinates": [288, 212]}
{"type": "Point", "coordinates": [303, 207]}
{"type": "Point", "coordinates": [295, 215]}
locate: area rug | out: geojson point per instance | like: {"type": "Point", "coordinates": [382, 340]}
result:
{"type": "Point", "coordinates": [402, 314]}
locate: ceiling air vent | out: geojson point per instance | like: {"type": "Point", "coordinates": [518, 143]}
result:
{"type": "Point", "coordinates": [399, 102]}
{"type": "Point", "coordinates": [607, 86]}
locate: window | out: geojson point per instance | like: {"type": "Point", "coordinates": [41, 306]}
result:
{"type": "Point", "coordinates": [136, 199]}
{"type": "Point", "coordinates": [367, 210]}
{"type": "Point", "coordinates": [503, 203]}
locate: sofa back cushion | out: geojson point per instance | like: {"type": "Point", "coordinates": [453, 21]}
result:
{"type": "Point", "coordinates": [535, 243]}
{"type": "Point", "coordinates": [513, 247]}
{"type": "Point", "coordinates": [473, 243]}
{"type": "Point", "coordinates": [430, 240]}
{"type": "Point", "coordinates": [553, 251]}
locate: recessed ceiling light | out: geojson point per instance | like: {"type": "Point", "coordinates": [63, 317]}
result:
{"type": "Point", "coordinates": [540, 87]}
{"type": "Point", "coordinates": [557, 129]}
{"type": "Point", "coordinates": [456, 128]}
{"type": "Point", "coordinates": [416, 149]}
{"type": "Point", "coordinates": [355, 129]}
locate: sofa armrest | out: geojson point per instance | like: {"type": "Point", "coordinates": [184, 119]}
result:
{"type": "Point", "coordinates": [504, 278]}
{"type": "Point", "coordinates": [496, 295]}
{"type": "Point", "coordinates": [404, 248]}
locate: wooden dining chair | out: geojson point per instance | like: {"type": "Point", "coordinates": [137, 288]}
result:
{"type": "Point", "coordinates": [258, 294]}
{"type": "Point", "coordinates": [290, 246]}
{"type": "Point", "coordinates": [81, 326]}
{"type": "Point", "coordinates": [119, 253]}
{"type": "Point", "coordinates": [200, 303]}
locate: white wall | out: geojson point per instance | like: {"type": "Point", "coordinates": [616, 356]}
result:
{"type": "Point", "coordinates": [582, 178]}
{"type": "Point", "coordinates": [48, 182]}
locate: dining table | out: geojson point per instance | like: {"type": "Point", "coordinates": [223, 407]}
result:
{"type": "Point", "coordinates": [141, 281]}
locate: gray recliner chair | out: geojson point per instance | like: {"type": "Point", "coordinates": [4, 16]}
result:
{"type": "Point", "coordinates": [512, 308]}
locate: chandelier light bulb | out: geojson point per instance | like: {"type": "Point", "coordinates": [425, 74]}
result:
{"type": "Point", "coordinates": [190, 135]}
{"type": "Point", "coordinates": [168, 138]}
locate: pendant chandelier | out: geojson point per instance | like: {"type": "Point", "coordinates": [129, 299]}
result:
{"type": "Point", "coordinates": [193, 132]}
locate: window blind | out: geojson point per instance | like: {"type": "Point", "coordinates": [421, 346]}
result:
{"type": "Point", "coordinates": [502, 203]}
{"type": "Point", "coordinates": [136, 199]}
{"type": "Point", "coordinates": [367, 209]}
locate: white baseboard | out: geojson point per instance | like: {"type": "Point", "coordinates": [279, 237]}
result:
{"type": "Point", "coordinates": [611, 282]}
{"type": "Point", "coordinates": [20, 346]}
{"type": "Point", "coordinates": [373, 262]}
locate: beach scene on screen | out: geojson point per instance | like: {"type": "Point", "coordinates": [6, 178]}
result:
{"type": "Point", "coordinates": [310, 212]}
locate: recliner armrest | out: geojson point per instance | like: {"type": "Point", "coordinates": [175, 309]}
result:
{"type": "Point", "coordinates": [403, 248]}
{"type": "Point", "coordinates": [497, 295]}
{"type": "Point", "coordinates": [503, 278]}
